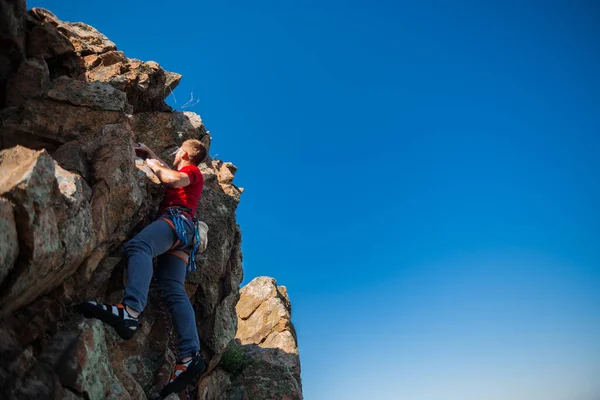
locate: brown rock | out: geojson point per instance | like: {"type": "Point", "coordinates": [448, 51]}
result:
{"type": "Point", "coordinates": [54, 222]}
{"type": "Point", "coordinates": [95, 95]}
{"type": "Point", "coordinates": [71, 215]}
{"type": "Point", "coordinates": [86, 368]}
{"type": "Point", "coordinates": [43, 38]}
{"type": "Point", "coordinates": [31, 80]}
{"type": "Point", "coordinates": [81, 108]}
{"type": "Point", "coordinates": [75, 226]}
{"type": "Point", "coordinates": [9, 244]}
{"type": "Point", "coordinates": [146, 83]}
{"type": "Point", "coordinates": [28, 182]}
{"type": "Point", "coordinates": [117, 194]}
{"type": "Point", "coordinates": [219, 271]}
{"type": "Point", "coordinates": [263, 361]}
{"type": "Point", "coordinates": [252, 296]}
{"type": "Point", "coordinates": [85, 38]}
{"type": "Point", "coordinates": [12, 37]}
{"type": "Point", "coordinates": [162, 131]}
{"type": "Point", "coordinates": [71, 157]}
{"type": "Point", "coordinates": [225, 174]}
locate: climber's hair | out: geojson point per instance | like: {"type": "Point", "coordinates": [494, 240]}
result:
{"type": "Point", "coordinates": [195, 149]}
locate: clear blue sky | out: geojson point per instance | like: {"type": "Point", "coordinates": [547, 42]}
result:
{"type": "Point", "coordinates": [422, 176]}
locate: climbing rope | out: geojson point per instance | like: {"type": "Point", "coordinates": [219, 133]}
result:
{"type": "Point", "coordinates": [180, 230]}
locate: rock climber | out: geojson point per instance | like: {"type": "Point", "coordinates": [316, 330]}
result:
{"type": "Point", "coordinates": [160, 239]}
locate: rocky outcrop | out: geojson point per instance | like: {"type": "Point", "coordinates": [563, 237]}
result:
{"type": "Point", "coordinates": [72, 191]}
{"type": "Point", "coordinates": [263, 361]}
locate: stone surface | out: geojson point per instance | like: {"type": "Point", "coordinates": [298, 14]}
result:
{"type": "Point", "coordinates": [146, 83]}
{"type": "Point", "coordinates": [161, 131]}
{"type": "Point", "coordinates": [44, 39]}
{"type": "Point", "coordinates": [31, 80]}
{"type": "Point", "coordinates": [72, 192]}
{"type": "Point", "coordinates": [95, 95]}
{"type": "Point", "coordinates": [71, 109]}
{"type": "Point", "coordinates": [9, 243]}
{"type": "Point", "coordinates": [264, 319]}
{"type": "Point", "coordinates": [28, 181]}
{"type": "Point", "coordinates": [263, 361]}
{"type": "Point", "coordinates": [12, 38]}
{"type": "Point", "coordinates": [71, 157]}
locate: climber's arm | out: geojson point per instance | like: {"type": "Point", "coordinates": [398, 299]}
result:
{"type": "Point", "coordinates": [166, 175]}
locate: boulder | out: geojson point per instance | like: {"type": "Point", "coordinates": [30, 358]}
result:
{"type": "Point", "coordinates": [146, 83]}
{"type": "Point", "coordinates": [265, 319]}
{"type": "Point", "coordinates": [263, 361]}
{"type": "Point", "coordinates": [28, 181]}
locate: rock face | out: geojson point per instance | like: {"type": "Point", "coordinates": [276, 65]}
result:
{"type": "Point", "coordinates": [72, 191]}
{"type": "Point", "coordinates": [263, 361]}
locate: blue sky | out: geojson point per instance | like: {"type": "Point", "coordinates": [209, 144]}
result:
{"type": "Point", "coordinates": [423, 177]}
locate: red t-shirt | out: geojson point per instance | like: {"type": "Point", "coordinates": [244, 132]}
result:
{"type": "Point", "coordinates": [186, 196]}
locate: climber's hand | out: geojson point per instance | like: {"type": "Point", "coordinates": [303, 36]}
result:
{"type": "Point", "coordinates": [154, 163]}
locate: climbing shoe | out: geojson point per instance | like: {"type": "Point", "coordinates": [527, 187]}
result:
{"type": "Point", "coordinates": [183, 374]}
{"type": "Point", "coordinates": [114, 315]}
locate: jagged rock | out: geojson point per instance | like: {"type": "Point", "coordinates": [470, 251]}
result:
{"type": "Point", "coordinates": [95, 95]}
{"type": "Point", "coordinates": [71, 109]}
{"type": "Point", "coordinates": [264, 319]}
{"type": "Point", "coordinates": [117, 194]}
{"type": "Point", "coordinates": [85, 39]}
{"type": "Point", "coordinates": [28, 181]}
{"type": "Point", "coordinates": [263, 361]}
{"type": "Point", "coordinates": [146, 83]}
{"type": "Point", "coordinates": [66, 210]}
{"type": "Point", "coordinates": [9, 244]}
{"type": "Point", "coordinates": [75, 220]}
{"type": "Point", "coordinates": [44, 39]}
{"type": "Point", "coordinates": [82, 52]}
{"type": "Point", "coordinates": [224, 178]}
{"type": "Point", "coordinates": [86, 368]}
{"type": "Point", "coordinates": [161, 131]}
{"type": "Point", "coordinates": [71, 157]}
{"type": "Point", "coordinates": [31, 80]}
{"type": "Point", "coordinates": [219, 270]}
{"type": "Point", "coordinates": [42, 124]}
{"type": "Point", "coordinates": [12, 38]}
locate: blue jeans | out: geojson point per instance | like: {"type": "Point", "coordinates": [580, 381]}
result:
{"type": "Point", "coordinates": [156, 240]}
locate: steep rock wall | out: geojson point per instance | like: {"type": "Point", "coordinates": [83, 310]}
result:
{"type": "Point", "coordinates": [72, 191]}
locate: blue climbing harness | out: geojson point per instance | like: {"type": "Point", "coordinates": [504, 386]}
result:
{"type": "Point", "coordinates": [179, 221]}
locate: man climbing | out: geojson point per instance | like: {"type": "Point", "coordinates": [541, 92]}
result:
{"type": "Point", "coordinates": [163, 239]}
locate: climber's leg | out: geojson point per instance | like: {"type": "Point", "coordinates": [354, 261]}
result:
{"type": "Point", "coordinates": [153, 240]}
{"type": "Point", "coordinates": [171, 277]}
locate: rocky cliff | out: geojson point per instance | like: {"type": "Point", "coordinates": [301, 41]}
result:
{"type": "Point", "coordinates": [72, 191]}
{"type": "Point", "coordinates": [263, 361]}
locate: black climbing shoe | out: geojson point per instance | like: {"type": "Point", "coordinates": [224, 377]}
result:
{"type": "Point", "coordinates": [116, 316]}
{"type": "Point", "coordinates": [183, 374]}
